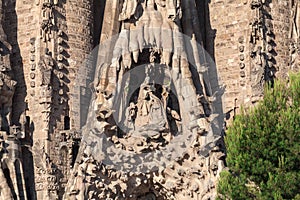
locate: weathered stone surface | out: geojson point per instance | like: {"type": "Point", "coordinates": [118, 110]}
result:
{"type": "Point", "coordinates": [141, 144]}
{"type": "Point", "coordinates": [145, 111]}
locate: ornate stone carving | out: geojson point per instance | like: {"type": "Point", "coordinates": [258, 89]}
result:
{"type": "Point", "coordinates": [10, 135]}
{"type": "Point", "coordinates": [7, 86]}
{"type": "Point", "coordinates": [11, 170]}
{"type": "Point", "coordinates": [152, 131]}
{"type": "Point", "coordinates": [140, 142]}
{"type": "Point", "coordinates": [46, 171]}
{"type": "Point", "coordinates": [258, 71]}
{"type": "Point", "coordinates": [261, 49]}
{"type": "Point", "coordinates": [47, 21]}
{"type": "Point", "coordinates": [129, 9]}
{"type": "Point", "coordinates": [46, 68]}
{"type": "Point", "coordinates": [150, 111]}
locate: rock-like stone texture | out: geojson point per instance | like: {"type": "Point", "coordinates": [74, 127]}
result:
{"type": "Point", "coordinates": [142, 115]}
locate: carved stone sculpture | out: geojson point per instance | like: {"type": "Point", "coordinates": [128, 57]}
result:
{"type": "Point", "coordinates": [12, 165]}
{"type": "Point", "coordinates": [130, 117]}
{"type": "Point", "coordinates": [153, 128]}
{"type": "Point", "coordinates": [47, 21]}
{"type": "Point", "coordinates": [7, 86]}
{"type": "Point", "coordinates": [262, 51]}
{"type": "Point", "coordinates": [141, 141]}
{"type": "Point", "coordinates": [46, 171]}
{"type": "Point", "coordinates": [150, 111]}
{"type": "Point", "coordinates": [46, 67]}
{"type": "Point", "coordinates": [258, 71]}
{"type": "Point", "coordinates": [129, 9]}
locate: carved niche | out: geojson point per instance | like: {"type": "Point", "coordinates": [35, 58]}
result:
{"type": "Point", "coordinates": [149, 133]}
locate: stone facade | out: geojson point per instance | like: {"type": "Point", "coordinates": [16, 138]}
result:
{"type": "Point", "coordinates": [121, 99]}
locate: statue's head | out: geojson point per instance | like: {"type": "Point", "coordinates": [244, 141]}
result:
{"type": "Point", "coordinates": [161, 3]}
{"type": "Point", "coordinates": [145, 91]}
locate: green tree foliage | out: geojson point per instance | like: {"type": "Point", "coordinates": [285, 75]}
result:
{"type": "Point", "coordinates": [263, 148]}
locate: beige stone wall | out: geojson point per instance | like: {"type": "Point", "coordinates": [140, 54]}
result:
{"type": "Point", "coordinates": [21, 25]}
{"type": "Point", "coordinates": [226, 33]}
{"type": "Point", "coordinates": [281, 12]}
{"type": "Point", "coordinates": [231, 46]}
{"type": "Point", "coordinates": [70, 44]}
{"type": "Point", "coordinates": [230, 21]}
{"type": "Point", "coordinates": [79, 22]}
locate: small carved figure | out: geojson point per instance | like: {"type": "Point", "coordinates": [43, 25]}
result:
{"type": "Point", "coordinates": [130, 116]}
{"type": "Point", "coordinates": [258, 71]}
{"type": "Point", "coordinates": [46, 68]}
